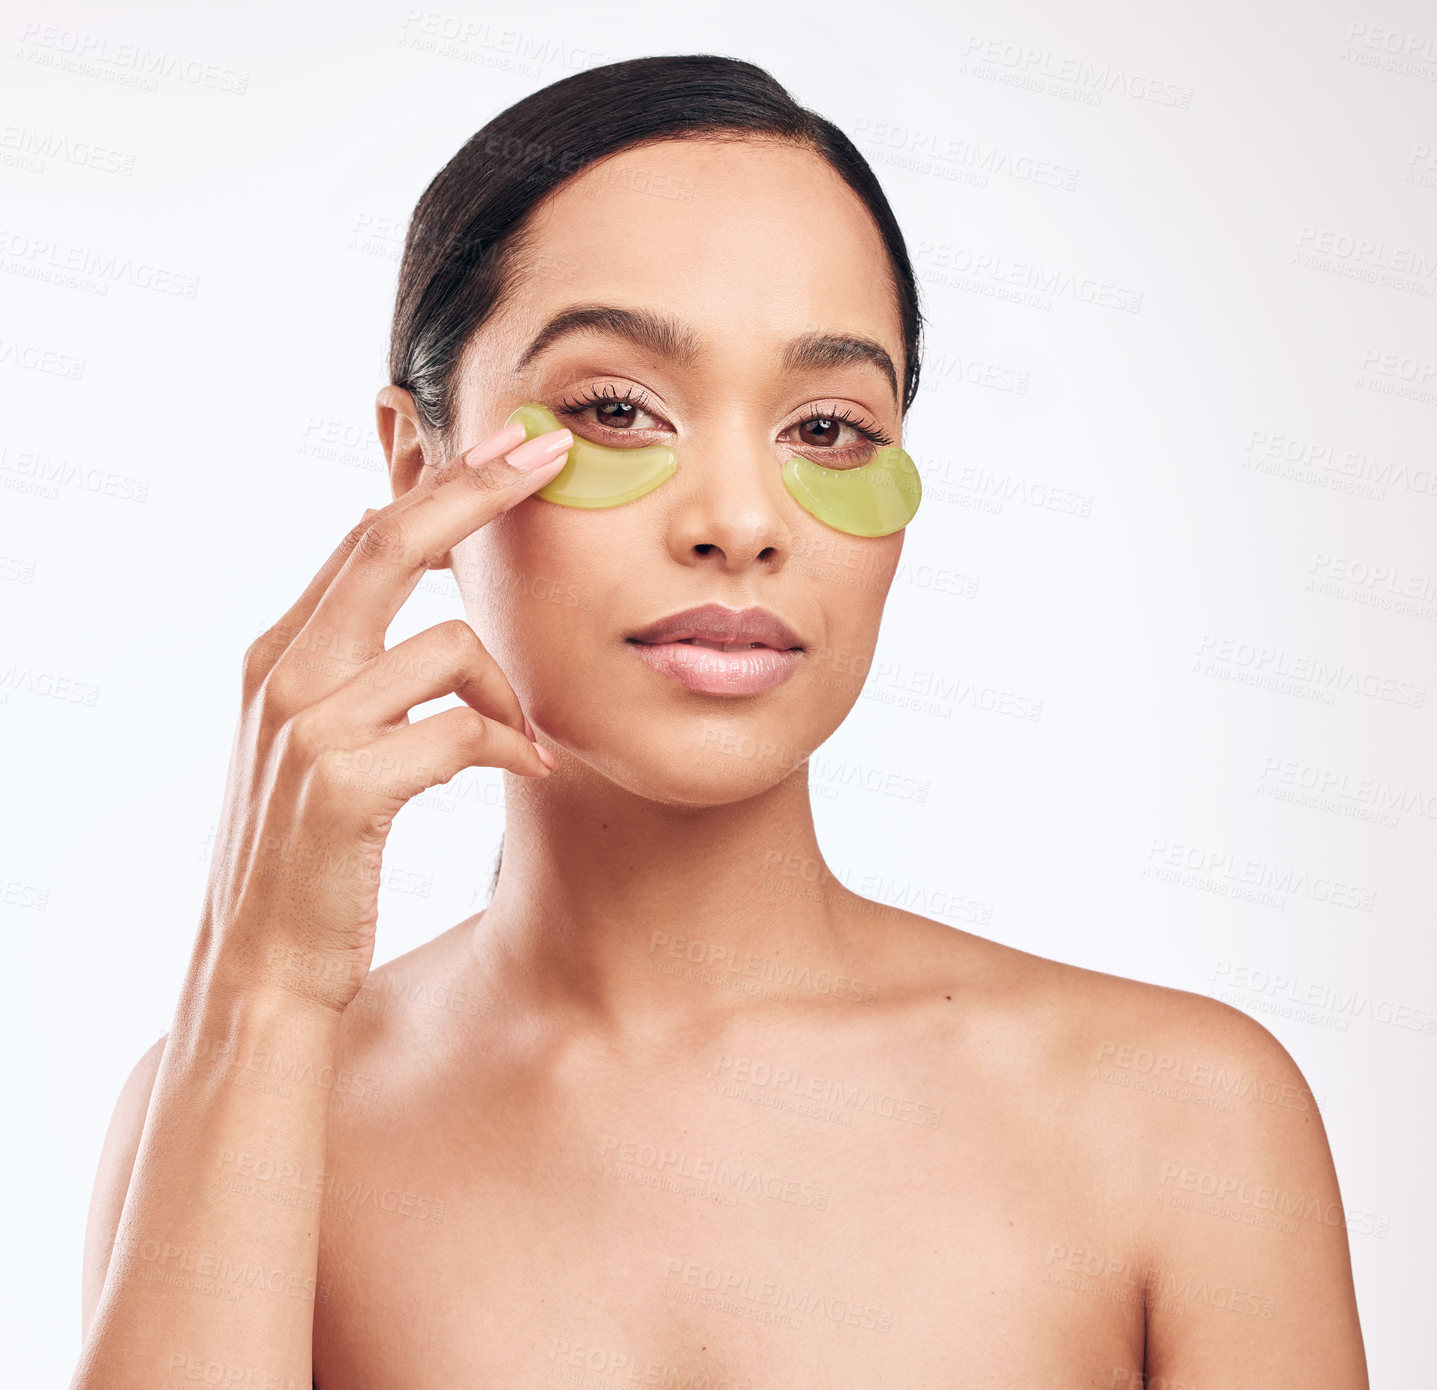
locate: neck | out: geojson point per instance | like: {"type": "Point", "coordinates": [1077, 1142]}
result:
{"type": "Point", "coordinates": [644, 919]}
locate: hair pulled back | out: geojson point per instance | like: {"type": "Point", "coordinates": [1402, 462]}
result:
{"type": "Point", "coordinates": [466, 240]}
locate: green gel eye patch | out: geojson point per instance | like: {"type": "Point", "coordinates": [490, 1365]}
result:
{"type": "Point", "coordinates": [875, 500]}
{"type": "Point", "coordinates": [595, 476]}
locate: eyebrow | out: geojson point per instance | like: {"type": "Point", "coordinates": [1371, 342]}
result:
{"type": "Point", "coordinates": [666, 337]}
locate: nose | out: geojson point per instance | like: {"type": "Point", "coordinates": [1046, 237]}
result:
{"type": "Point", "coordinates": [728, 507]}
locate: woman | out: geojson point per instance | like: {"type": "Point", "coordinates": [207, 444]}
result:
{"type": "Point", "coordinates": [677, 1107]}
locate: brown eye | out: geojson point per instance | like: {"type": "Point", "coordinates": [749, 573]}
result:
{"type": "Point", "coordinates": [821, 431]}
{"type": "Point", "coordinates": [608, 411]}
{"type": "Point", "coordinates": [837, 440]}
{"type": "Point", "coordinates": [617, 415]}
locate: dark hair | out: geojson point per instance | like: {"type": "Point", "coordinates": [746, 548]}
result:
{"type": "Point", "coordinates": [467, 240]}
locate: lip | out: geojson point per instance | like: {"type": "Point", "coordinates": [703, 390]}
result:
{"type": "Point", "coordinates": [715, 623]}
{"type": "Point", "coordinates": [670, 646]}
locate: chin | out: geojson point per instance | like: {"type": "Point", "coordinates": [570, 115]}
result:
{"type": "Point", "coordinates": [698, 760]}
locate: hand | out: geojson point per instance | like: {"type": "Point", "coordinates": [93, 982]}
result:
{"type": "Point", "coordinates": [325, 755]}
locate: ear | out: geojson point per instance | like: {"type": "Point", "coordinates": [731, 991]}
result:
{"type": "Point", "coordinates": [402, 436]}
{"type": "Point", "coordinates": [405, 445]}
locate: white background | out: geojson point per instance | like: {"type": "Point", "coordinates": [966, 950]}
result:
{"type": "Point", "coordinates": [1239, 463]}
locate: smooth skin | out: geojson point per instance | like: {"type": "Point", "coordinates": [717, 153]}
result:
{"type": "Point", "coordinates": [678, 1107]}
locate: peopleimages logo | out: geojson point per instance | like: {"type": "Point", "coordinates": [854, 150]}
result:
{"type": "Point", "coordinates": [1348, 1003]}
{"type": "Point", "coordinates": [996, 275]}
{"type": "Point", "coordinates": [1276, 663]}
{"type": "Point", "coordinates": [86, 267]}
{"type": "Point", "coordinates": [1165, 857]}
{"type": "Point", "coordinates": [843, 1095]}
{"type": "Point", "coordinates": [1092, 80]}
{"type": "Point", "coordinates": [790, 1301]}
{"type": "Point", "coordinates": [713, 1169]}
{"type": "Point", "coordinates": [131, 64]}
{"type": "Point", "coordinates": [956, 154]}
{"type": "Point", "coordinates": [349, 1193]}
{"type": "Point", "coordinates": [1360, 793]}
{"type": "Point", "coordinates": [1184, 1071]}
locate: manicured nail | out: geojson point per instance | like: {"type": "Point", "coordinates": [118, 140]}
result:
{"type": "Point", "coordinates": [497, 443]}
{"type": "Point", "coordinates": [536, 453]}
{"type": "Point", "coordinates": [545, 756]}
{"type": "Point", "coordinates": [528, 729]}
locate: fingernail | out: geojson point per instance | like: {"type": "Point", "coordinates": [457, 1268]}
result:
{"type": "Point", "coordinates": [528, 729]}
{"type": "Point", "coordinates": [497, 442]}
{"type": "Point", "coordinates": [536, 453]}
{"type": "Point", "coordinates": [545, 756]}
{"type": "Point", "coordinates": [368, 512]}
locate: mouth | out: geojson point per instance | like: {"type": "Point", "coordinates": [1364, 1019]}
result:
{"type": "Point", "coordinates": [720, 646]}
{"type": "Point", "coordinates": [720, 651]}
{"type": "Point", "coordinates": [721, 629]}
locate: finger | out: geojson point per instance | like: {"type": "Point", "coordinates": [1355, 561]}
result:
{"type": "Point", "coordinates": [299, 613]}
{"type": "Point", "coordinates": [401, 764]}
{"type": "Point", "coordinates": [268, 647]}
{"type": "Point", "coordinates": [445, 659]}
{"type": "Point", "coordinates": [273, 643]}
{"type": "Point", "coordinates": [395, 550]}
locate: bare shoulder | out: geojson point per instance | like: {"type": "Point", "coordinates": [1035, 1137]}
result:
{"type": "Point", "coordinates": [1194, 1077]}
{"type": "Point", "coordinates": [112, 1176]}
{"type": "Point", "coordinates": [1116, 1035]}
{"type": "Point", "coordinates": [1166, 1091]}
{"type": "Point", "coordinates": [1195, 1131]}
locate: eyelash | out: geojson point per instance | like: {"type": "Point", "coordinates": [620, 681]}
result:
{"type": "Point", "coordinates": [877, 437]}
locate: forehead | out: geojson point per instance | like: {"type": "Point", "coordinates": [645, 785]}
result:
{"type": "Point", "coordinates": [748, 243]}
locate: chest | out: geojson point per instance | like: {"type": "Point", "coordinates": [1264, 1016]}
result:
{"type": "Point", "coordinates": [715, 1229]}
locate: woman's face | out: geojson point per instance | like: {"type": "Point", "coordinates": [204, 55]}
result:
{"type": "Point", "coordinates": [740, 253]}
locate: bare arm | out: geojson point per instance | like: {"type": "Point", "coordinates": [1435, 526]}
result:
{"type": "Point", "coordinates": [192, 1271]}
{"type": "Point", "coordinates": [1251, 1283]}
{"type": "Point", "coordinates": [184, 1266]}
{"type": "Point", "coordinates": [112, 1178]}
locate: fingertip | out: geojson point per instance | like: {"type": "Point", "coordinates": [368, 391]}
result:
{"type": "Point", "coordinates": [501, 441]}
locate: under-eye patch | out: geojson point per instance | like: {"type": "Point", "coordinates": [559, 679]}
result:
{"type": "Point", "coordinates": [595, 476]}
{"type": "Point", "coordinates": [875, 500]}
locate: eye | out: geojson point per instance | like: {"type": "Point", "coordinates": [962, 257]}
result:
{"type": "Point", "coordinates": [838, 438]}
{"type": "Point", "coordinates": [613, 411]}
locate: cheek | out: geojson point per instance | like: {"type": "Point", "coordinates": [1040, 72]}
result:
{"type": "Point", "coordinates": [842, 583]}
{"type": "Point", "coordinates": [540, 594]}
{"type": "Point", "coordinates": [848, 581]}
